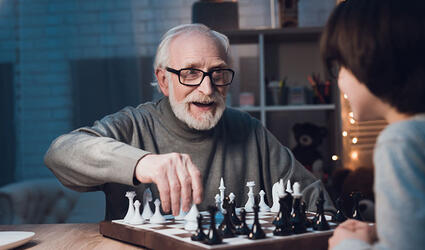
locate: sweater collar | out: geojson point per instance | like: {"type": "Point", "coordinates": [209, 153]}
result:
{"type": "Point", "coordinates": [179, 127]}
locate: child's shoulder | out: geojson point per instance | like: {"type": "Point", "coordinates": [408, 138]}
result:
{"type": "Point", "coordinates": [410, 129]}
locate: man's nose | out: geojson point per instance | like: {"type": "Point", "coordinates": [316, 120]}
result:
{"type": "Point", "coordinates": [206, 86]}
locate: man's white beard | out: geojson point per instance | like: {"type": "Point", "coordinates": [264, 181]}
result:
{"type": "Point", "coordinates": [206, 120]}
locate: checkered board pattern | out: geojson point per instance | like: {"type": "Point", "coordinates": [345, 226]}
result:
{"type": "Point", "coordinates": [172, 234]}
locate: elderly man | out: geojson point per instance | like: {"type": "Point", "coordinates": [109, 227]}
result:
{"type": "Point", "coordinates": [183, 143]}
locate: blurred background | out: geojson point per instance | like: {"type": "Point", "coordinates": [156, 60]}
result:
{"type": "Point", "coordinates": [66, 63]}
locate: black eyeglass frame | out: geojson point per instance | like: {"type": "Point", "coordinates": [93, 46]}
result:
{"type": "Point", "coordinates": [209, 73]}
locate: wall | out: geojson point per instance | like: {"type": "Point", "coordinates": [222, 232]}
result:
{"type": "Point", "coordinates": [41, 37]}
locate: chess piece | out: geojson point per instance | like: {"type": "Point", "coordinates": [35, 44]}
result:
{"type": "Point", "coordinates": [219, 215]}
{"type": "Point", "coordinates": [221, 188]}
{"type": "Point", "coordinates": [256, 231]}
{"type": "Point", "coordinates": [182, 214]}
{"type": "Point", "coordinates": [298, 222]}
{"type": "Point", "coordinates": [250, 203]}
{"type": "Point", "coordinates": [263, 206]}
{"type": "Point", "coordinates": [157, 216]}
{"type": "Point", "coordinates": [235, 219]}
{"type": "Point", "coordinates": [147, 197]}
{"type": "Point", "coordinates": [277, 192]}
{"type": "Point", "coordinates": [242, 228]}
{"type": "Point", "coordinates": [213, 237]}
{"type": "Point", "coordinates": [226, 228]}
{"type": "Point", "coordinates": [137, 219]}
{"type": "Point", "coordinates": [199, 233]}
{"type": "Point", "coordinates": [320, 223]}
{"type": "Point", "coordinates": [339, 216]}
{"type": "Point", "coordinates": [356, 214]}
{"type": "Point", "coordinates": [282, 220]}
{"type": "Point", "coordinates": [289, 187]}
{"type": "Point", "coordinates": [130, 212]}
{"type": "Point", "coordinates": [191, 218]}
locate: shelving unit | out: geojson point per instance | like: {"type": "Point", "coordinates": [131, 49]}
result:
{"type": "Point", "coordinates": [270, 56]}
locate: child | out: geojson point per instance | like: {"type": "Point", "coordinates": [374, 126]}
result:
{"type": "Point", "coordinates": [378, 50]}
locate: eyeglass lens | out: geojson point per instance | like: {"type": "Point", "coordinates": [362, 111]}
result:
{"type": "Point", "coordinates": [193, 76]}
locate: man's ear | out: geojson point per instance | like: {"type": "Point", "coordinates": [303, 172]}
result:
{"type": "Point", "coordinates": [162, 81]}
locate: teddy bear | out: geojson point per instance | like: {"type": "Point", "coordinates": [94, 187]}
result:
{"type": "Point", "coordinates": [309, 137]}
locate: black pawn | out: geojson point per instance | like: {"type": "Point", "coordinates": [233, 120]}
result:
{"type": "Point", "coordinates": [339, 216]}
{"type": "Point", "coordinates": [308, 222]}
{"type": "Point", "coordinates": [320, 222]}
{"type": "Point", "coordinates": [356, 214]}
{"type": "Point", "coordinates": [242, 228]}
{"type": "Point", "coordinates": [213, 236]}
{"type": "Point", "coordinates": [256, 231]}
{"type": "Point", "coordinates": [226, 228]}
{"type": "Point", "coordinates": [235, 220]}
{"type": "Point", "coordinates": [199, 233]}
{"type": "Point", "coordinates": [282, 220]}
{"type": "Point", "coordinates": [298, 221]}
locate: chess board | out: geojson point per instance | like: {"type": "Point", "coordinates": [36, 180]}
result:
{"type": "Point", "coordinates": [172, 235]}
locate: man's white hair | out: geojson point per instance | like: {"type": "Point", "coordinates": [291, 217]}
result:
{"type": "Point", "coordinates": [163, 52]}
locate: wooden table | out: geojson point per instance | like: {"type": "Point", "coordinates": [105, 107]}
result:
{"type": "Point", "coordinates": [67, 236]}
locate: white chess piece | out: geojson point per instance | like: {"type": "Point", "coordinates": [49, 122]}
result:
{"type": "Point", "coordinates": [147, 197]}
{"type": "Point", "coordinates": [289, 187]}
{"type": "Point", "coordinates": [137, 219]}
{"type": "Point", "coordinates": [232, 197]}
{"type": "Point", "coordinates": [221, 188]}
{"type": "Point", "coordinates": [277, 192]}
{"type": "Point", "coordinates": [182, 214]}
{"type": "Point", "coordinates": [297, 193]}
{"type": "Point", "coordinates": [191, 218]}
{"type": "Point", "coordinates": [130, 212]}
{"type": "Point", "coordinates": [218, 201]}
{"type": "Point", "coordinates": [263, 206]}
{"type": "Point", "coordinates": [157, 216]}
{"type": "Point", "coordinates": [249, 206]}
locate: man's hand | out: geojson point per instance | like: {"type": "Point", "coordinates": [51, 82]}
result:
{"type": "Point", "coordinates": [353, 229]}
{"type": "Point", "coordinates": [176, 178]}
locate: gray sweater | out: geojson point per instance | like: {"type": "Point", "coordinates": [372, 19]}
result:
{"type": "Point", "coordinates": [239, 149]}
{"type": "Point", "coordinates": [399, 160]}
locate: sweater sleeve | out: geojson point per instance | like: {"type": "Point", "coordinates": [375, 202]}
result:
{"type": "Point", "coordinates": [88, 157]}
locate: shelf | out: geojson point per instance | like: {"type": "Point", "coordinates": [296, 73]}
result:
{"type": "Point", "coordinates": [295, 34]}
{"type": "Point", "coordinates": [290, 108]}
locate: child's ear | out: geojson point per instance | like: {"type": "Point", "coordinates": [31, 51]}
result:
{"type": "Point", "coordinates": [162, 81]}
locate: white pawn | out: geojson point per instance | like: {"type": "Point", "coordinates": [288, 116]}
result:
{"type": "Point", "coordinates": [191, 219]}
{"type": "Point", "coordinates": [137, 219]}
{"type": "Point", "coordinates": [147, 197]}
{"type": "Point", "coordinates": [249, 206]}
{"type": "Point", "coordinates": [231, 197]}
{"type": "Point", "coordinates": [157, 216]}
{"type": "Point", "coordinates": [289, 187]}
{"type": "Point", "coordinates": [277, 192]}
{"type": "Point", "coordinates": [263, 206]}
{"type": "Point", "coordinates": [130, 212]}
{"type": "Point", "coordinates": [297, 193]}
{"type": "Point", "coordinates": [182, 214]}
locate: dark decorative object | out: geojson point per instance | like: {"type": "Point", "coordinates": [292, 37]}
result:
{"type": "Point", "coordinates": [282, 220]}
{"type": "Point", "coordinates": [288, 13]}
{"type": "Point", "coordinates": [242, 228]}
{"type": "Point", "coordinates": [339, 216]}
{"type": "Point", "coordinates": [320, 223]}
{"type": "Point", "coordinates": [226, 228]}
{"type": "Point", "coordinates": [213, 236]}
{"type": "Point", "coordinates": [356, 214]}
{"type": "Point", "coordinates": [218, 15]}
{"type": "Point", "coordinates": [298, 219]}
{"type": "Point", "coordinates": [199, 233]}
{"type": "Point", "coordinates": [256, 231]}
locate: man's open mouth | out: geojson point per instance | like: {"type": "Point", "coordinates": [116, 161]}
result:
{"type": "Point", "coordinates": [203, 104]}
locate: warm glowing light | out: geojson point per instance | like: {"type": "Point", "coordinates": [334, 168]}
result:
{"type": "Point", "coordinates": [354, 155]}
{"type": "Point", "coordinates": [344, 133]}
{"type": "Point", "coordinates": [335, 157]}
{"type": "Point", "coordinates": [351, 114]}
{"type": "Point", "coordinates": [354, 140]}
{"type": "Point", "coordinates": [345, 96]}
{"type": "Point", "coordinates": [352, 121]}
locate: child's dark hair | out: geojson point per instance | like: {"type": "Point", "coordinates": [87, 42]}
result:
{"type": "Point", "coordinates": [382, 42]}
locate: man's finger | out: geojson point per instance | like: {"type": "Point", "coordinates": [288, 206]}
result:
{"type": "Point", "coordinates": [185, 183]}
{"type": "Point", "coordinates": [196, 178]}
{"type": "Point", "coordinates": [164, 191]}
{"type": "Point", "coordinates": [175, 189]}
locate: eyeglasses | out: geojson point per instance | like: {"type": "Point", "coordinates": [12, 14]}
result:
{"type": "Point", "coordinates": [194, 77]}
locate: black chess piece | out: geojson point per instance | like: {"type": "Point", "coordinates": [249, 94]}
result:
{"type": "Point", "coordinates": [213, 236]}
{"type": "Point", "coordinates": [235, 220]}
{"type": "Point", "coordinates": [242, 228]}
{"type": "Point", "coordinates": [339, 216]}
{"type": "Point", "coordinates": [308, 222]}
{"type": "Point", "coordinates": [298, 222]}
{"type": "Point", "coordinates": [320, 223]}
{"type": "Point", "coordinates": [256, 231]}
{"type": "Point", "coordinates": [226, 228]}
{"type": "Point", "coordinates": [282, 220]}
{"type": "Point", "coordinates": [356, 214]}
{"type": "Point", "coordinates": [199, 233]}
